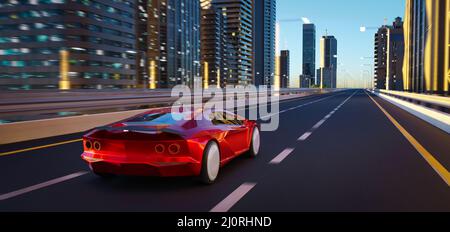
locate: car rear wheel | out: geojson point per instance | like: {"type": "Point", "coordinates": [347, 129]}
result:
{"type": "Point", "coordinates": [210, 163]}
{"type": "Point", "coordinates": [255, 143]}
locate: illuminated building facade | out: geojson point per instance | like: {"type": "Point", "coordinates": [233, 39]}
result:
{"type": "Point", "coordinates": [327, 72]}
{"type": "Point", "coordinates": [309, 50]}
{"type": "Point", "coordinates": [426, 62]}
{"type": "Point", "coordinates": [264, 41]}
{"type": "Point", "coordinates": [284, 69]}
{"type": "Point", "coordinates": [67, 44]}
{"type": "Point", "coordinates": [213, 45]}
{"type": "Point", "coordinates": [172, 42]}
{"type": "Point", "coordinates": [238, 24]}
{"type": "Point", "coordinates": [389, 52]}
{"type": "Point", "coordinates": [395, 53]}
{"type": "Point", "coordinates": [381, 57]}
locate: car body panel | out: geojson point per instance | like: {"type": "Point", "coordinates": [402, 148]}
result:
{"type": "Point", "coordinates": [137, 146]}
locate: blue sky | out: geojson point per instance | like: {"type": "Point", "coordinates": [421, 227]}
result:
{"type": "Point", "coordinates": [341, 18]}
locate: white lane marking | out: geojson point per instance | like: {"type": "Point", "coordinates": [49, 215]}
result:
{"type": "Point", "coordinates": [297, 107]}
{"type": "Point", "coordinates": [233, 198]}
{"type": "Point", "coordinates": [40, 186]}
{"type": "Point", "coordinates": [280, 157]}
{"type": "Point", "coordinates": [322, 121]}
{"type": "Point", "coordinates": [304, 136]}
{"type": "Point", "coordinates": [319, 124]}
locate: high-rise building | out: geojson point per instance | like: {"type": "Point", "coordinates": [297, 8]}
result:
{"type": "Point", "coordinates": [395, 53]}
{"type": "Point", "coordinates": [389, 52]}
{"type": "Point", "coordinates": [306, 81]}
{"type": "Point", "coordinates": [284, 69]}
{"type": "Point", "coordinates": [238, 24]}
{"type": "Point", "coordinates": [327, 72]}
{"type": "Point", "coordinates": [380, 57]}
{"type": "Point", "coordinates": [172, 37]}
{"type": "Point", "coordinates": [309, 50]}
{"type": "Point", "coordinates": [67, 44]}
{"type": "Point", "coordinates": [264, 41]}
{"type": "Point", "coordinates": [213, 45]}
{"type": "Point", "coordinates": [427, 57]}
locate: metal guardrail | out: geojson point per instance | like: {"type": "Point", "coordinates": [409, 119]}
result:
{"type": "Point", "coordinates": [439, 103]}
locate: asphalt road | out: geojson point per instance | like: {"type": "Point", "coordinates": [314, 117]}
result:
{"type": "Point", "coordinates": [337, 152]}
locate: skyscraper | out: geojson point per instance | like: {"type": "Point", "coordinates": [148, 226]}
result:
{"type": "Point", "coordinates": [380, 57]}
{"type": "Point", "coordinates": [305, 81]}
{"type": "Point", "coordinates": [67, 44]}
{"type": "Point", "coordinates": [309, 51]}
{"type": "Point", "coordinates": [284, 69]}
{"type": "Point", "coordinates": [213, 45]}
{"type": "Point", "coordinates": [327, 72]}
{"type": "Point", "coordinates": [426, 66]}
{"type": "Point", "coordinates": [415, 37]}
{"type": "Point", "coordinates": [389, 52]}
{"type": "Point", "coordinates": [264, 41]}
{"type": "Point", "coordinates": [173, 42]}
{"type": "Point", "coordinates": [395, 53]}
{"type": "Point", "coordinates": [238, 16]}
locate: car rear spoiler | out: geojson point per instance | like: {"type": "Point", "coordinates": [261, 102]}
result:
{"type": "Point", "coordinates": [138, 129]}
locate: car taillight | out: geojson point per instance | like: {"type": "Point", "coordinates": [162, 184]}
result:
{"type": "Point", "coordinates": [97, 146]}
{"type": "Point", "coordinates": [174, 148]}
{"type": "Point", "coordinates": [88, 144]}
{"type": "Point", "coordinates": [159, 148]}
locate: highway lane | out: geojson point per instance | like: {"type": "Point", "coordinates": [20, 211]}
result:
{"type": "Point", "coordinates": [29, 168]}
{"type": "Point", "coordinates": [354, 160]}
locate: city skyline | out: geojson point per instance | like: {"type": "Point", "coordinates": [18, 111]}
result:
{"type": "Point", "coordinates": [155, 52]}
{"type": "Point", "coordinates": [193, 112]}
{"type": "Point", "coordinates": [355, 47]}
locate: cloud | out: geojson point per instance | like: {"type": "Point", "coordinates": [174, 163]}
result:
{"type": "Point", "coordinates": [306, 20]}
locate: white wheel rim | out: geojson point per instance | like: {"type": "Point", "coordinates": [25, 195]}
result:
{"type": "Point", "coordinates": [213, 161]}
{"type": "Point", "coordinates": [256, 140]}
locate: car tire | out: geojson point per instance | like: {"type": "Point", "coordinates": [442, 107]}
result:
{"type": "Point", "coordinates": [255, 143]}
{"type": "Point", "coordinates": [210, 163]}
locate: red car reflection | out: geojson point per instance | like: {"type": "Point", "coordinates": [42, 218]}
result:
{"type": "Point", "coordinates": [161, 143]}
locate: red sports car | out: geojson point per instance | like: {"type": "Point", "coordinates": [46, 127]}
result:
{"type": "Point", "coordinates": [161, 143]}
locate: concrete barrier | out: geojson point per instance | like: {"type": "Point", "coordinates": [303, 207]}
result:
{"type": "Point", "coordinates": [436, 118]}
{"type": "Point", "coordinates": [29, 130]}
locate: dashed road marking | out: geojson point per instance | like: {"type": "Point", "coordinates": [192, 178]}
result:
{"type": "Point", "coordinates": [19, 192]}
{"type": "Point", "coordinates": [304, 136]}
{"type": "Point", "coordinates": [279, 158]}
{"type": "Point", "coordinates": [226, 204]}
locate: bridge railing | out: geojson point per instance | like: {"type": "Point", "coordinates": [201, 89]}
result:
{"type": "Point", "coordinates": [439, 103]}
{"type": "Point", "coordinates": [42, 128]}
{"type": "Point", "coordinates": [432, 109]}
{"type": "Point", "coordinates": [39, 97]}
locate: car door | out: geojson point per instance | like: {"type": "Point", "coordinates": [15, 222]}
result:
{"type": "Point", "coordinates": [237, 135]}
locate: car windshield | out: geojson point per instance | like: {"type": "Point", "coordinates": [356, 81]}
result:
{"type": "Point", "coordinates": [156, 119]}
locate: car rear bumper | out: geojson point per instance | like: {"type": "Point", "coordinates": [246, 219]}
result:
{"type": "Point", "coordinates": [152, 166]}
